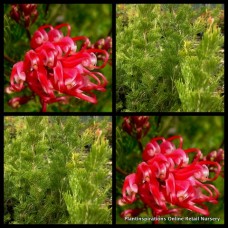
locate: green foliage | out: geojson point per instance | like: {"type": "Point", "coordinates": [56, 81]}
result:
{"type": "Point", "coordinates": [89, 185]}
{"type": "Point", "coordinates": [203, 132]}
{"type": "Point", "coordinates": [91, 20]}
{"type": "Point", "coordinates": [45, 161]}
{"type": "Point", "coordinates": [164, 64]}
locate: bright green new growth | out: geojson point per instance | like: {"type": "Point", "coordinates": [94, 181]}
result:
{"type": "Point", "coordinates": [48, 174]}
{"type": "Point", "coordinates": [163, 63]}
{"type": "Point", "coordinates": [201, 75]}
{"type": "Point", "coordinates": [90, 184]}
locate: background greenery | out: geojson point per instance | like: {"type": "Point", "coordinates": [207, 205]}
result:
{"type": "Point", "coordinates": [57, 171]}
{"type": "Point", "coordinates": [91, 20]}
{"type": "Point", "coordinates": [203, 132]}
{"type": "Point", "coordinates": [169, 59]}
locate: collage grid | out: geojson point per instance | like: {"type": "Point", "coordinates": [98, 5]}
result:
{"type": "Point", "coordinates": [113, 129]}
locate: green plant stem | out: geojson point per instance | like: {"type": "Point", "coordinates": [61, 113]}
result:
{"type": "Point", "coordinates": [28, 34]}
{"type": "Point", "coordinates": [46, 9]}
{"type": "Point", "coordinates": [222, 144]}
{"type": "Point", "coordinates": [158, 122]}
{"type": "Point", "coordinates": [110, 32]}
{"type": "Point", "coordinates": [140, 146]}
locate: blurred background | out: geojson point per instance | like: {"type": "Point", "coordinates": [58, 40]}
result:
{"type": "Point", "coordinates": [91, 20]}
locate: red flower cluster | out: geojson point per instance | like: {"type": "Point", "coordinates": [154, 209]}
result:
{"type": "Point", "coordinates": [25, 14]}
{"type": "Point", "coordinates": [54, 68]}
{"type": "Point", "coordinates": [136, 126]}
{"type": "Point", "coordinates": [216, 156]}
{"type": "Point", "coordinates": [105, 44]}
{"type": "Point", "coordinates": [167, 182]}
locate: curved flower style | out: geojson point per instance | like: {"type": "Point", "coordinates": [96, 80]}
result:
{"type": "Point", "coordinates": [136, 126]}
{"type": "Point", "coordinates": [54, 67]}
{"type": "Point", "coordinates": [167, 182]}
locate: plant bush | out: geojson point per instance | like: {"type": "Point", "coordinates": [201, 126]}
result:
{"type": "Point", "coordinates": [169, 58]}
{"type": "Point", "coordinates": [57, 171]}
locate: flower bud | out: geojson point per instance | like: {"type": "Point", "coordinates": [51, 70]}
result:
{"type": "Point", "coordinates": [24, 14]}
{"type": "Point", "coordinates": [16, 102]}
{"type": "Point", "coordinates": [136, 126]}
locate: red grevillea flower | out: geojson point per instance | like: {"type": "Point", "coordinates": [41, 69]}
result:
{"type": "Point", "coordinates": [136, 126]}
{"type": "Point", "coordinates": [24, 14]}
{"type": "Point", "coordinates": [16, 102]}
{"type": "Point", "coordinates": [166, 181]}
{"type": "Point", "coordinates": [54, 69]}
{"type": "Point", "coordinates": [105, 44]}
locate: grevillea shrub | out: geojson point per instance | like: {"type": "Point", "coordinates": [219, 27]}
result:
{"type": "Point", "coordinates": [90, 185]}
{"type": "Point", "coordinates": [58, 66]}
{"type": "Point", "coordinates": [170, 180]}
{"type": "Point", "coordinates": [49, 175]}
{"type": "Point", "coordinates": [167, 182]}
{"type": "Point", "coordinates": [169, 57]}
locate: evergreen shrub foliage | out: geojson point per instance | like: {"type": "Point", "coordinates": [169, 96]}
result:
{"type": "Point", "coordinates": [50, 175]}
{"type": "Point", "coordinates": [169, 58]}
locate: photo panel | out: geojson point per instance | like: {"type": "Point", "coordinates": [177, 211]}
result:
{"type": "Point", "coordinates": [58, 57]}
{"type": "Point", "coordinates": [170, 169]}
{"type": "Point", "coordinates": [57, 170]}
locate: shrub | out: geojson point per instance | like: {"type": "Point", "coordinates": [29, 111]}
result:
{"type": "Point", "coordinates": [169, 58]}
{"type": "Point", "coordinates": [49, 174]}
